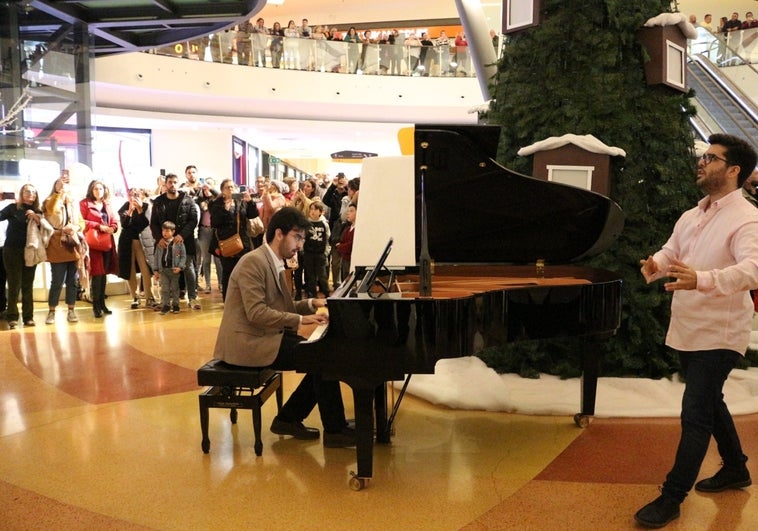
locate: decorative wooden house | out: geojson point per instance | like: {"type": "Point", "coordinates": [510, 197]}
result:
{"type": "Point", "coordinates": [576, 160]}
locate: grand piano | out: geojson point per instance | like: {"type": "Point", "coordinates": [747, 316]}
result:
{"type": "Point", "coordinates": [492, 248]}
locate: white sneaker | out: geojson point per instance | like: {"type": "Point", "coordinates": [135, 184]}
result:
{"type": "Point", "coordinates": [71, 317]}
{"type": "Point", "coordinates": [50, 317]}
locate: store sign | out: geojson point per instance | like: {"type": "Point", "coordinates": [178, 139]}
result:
{"type": "Point", "coordinates": [352, 156]}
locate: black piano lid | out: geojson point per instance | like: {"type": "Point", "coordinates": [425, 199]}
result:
{"type": "Point", "coordinates": [481, 212]}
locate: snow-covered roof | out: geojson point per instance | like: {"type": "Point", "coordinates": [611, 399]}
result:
{"type": "Point", "coordinates": [673, 19]}
{"type": "Point", "coordinates": [587, 142]}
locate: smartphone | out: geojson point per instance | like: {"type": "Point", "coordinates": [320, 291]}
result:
{"type": "Point", "coordinates": [243, 188]}
{"type": "Point", "coordinates": [9, 195]}
{"type": "Point", "coordinates": [163, 172]}
{"type": "Point", "coordinates": [237, 196]}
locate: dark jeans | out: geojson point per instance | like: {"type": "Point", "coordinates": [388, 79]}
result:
{"type": "Point", "coordinates": [312, 391]}
{"type": "Point", "coordinates": [316, 274]}
{"type": "Point", "coordinates": [62, 273]}
{"type": "Point", "coordinates": [227, 266]}
{"type": "Point", "coordinates": [20, 284]}
{"type": "Point", "coordinates": [3, 299]}
{"type": "Point", "coordinates": [704, 413]}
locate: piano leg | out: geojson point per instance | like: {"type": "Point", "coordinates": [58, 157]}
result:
{"type": "Point", "coordinates": [383, 435]}
{"type": "Point", "coordinates": [363, 400]}
{"type": "Point", "coordinates": [590, 371]}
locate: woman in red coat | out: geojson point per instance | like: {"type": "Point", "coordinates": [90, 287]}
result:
{"type": "Point", "coordinates": [98, 215]}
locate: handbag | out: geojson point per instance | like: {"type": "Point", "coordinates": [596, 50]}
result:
{"type": "Point", "coordinates": [62, 248]}
{"type": "Point", "coordinates": [255, 226]}
{"type": "Point", "coordinates": [98, 241]}
{"type": "Point", "coordinates": [232, 245]}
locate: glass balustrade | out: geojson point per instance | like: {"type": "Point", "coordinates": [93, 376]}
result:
{"type": "Point", "coordinates": [321, 55]}
{"type": "Point", "coordinates": [734, 49]}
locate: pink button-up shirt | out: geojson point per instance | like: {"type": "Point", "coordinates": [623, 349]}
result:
{"type": "Point", "coordinates": [720, 242]}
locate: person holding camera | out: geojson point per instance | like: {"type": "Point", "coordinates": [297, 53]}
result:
{"type": "Point", "coordinates": [229, 214]}
{"type": "Point", "coordinates": [131, 254]}
{"type": "Point", "coordinates": [58, 209]}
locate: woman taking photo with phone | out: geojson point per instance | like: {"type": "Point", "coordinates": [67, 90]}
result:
{"type": "Point", "coordinates": [62, 249]}
{"type": "Point", "coordinates": [100, 223]}
{"type": "Point", "coordinates": [229, 216]}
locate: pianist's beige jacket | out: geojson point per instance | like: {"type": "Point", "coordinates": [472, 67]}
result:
{"type": "Point", "coordinates": [257, 311]}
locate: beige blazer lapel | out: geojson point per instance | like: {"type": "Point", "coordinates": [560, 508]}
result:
{"type": "Point", "coordinates": [283, 291]}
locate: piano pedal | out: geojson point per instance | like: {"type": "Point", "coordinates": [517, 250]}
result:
{"type": "Point", "coordinates": [358, 483]}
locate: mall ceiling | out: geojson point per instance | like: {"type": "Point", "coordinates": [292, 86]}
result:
{"type": "Point", "coordinates": [128, 25]}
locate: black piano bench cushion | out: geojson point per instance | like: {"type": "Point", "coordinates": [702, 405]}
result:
{"type": "Point", "coordinates": [220, 373]}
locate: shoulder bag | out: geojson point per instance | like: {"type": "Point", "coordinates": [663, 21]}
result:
{"type": "Point", "coordinates": [98, 241]}
{"type": "Point", "coordinates": [231, 246]}
{"type": "Point", "coordinates": [62, 248]}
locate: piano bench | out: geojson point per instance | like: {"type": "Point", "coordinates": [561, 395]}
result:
{"type": "Point", "coordinates": [233, 387]}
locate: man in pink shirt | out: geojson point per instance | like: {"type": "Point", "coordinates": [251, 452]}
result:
{"type": "Point", "coordinates": [711, 261]}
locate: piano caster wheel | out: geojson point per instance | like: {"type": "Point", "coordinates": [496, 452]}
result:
{"type": "Point", "coordinates": [357, 483]}
{"type": "Point", "coordinates": [581, 420]}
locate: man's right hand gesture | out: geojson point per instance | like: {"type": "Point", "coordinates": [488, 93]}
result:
{"type": "Point", "coordinates": [649, 269]}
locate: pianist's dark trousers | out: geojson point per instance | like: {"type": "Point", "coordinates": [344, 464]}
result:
{"type": "Point", "coordinates": [312, 391]}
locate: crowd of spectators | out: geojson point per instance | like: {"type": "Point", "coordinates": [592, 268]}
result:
{"type": "Point", "coordinates": [321, 48]}
{"type": "Point", "coordinates": [726, 25]}
{"type": "Point", "coordinates": [165, 242]}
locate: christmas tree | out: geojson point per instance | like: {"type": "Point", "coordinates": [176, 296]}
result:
{"type": "Point", "coordinates": [581, 71]}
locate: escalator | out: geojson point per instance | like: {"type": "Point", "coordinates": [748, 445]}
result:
{"type": "Point", "coordinates": [722, 107]}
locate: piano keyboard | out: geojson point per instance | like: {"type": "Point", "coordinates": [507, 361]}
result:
{"type": "Point", "coordinates": [319, 331]}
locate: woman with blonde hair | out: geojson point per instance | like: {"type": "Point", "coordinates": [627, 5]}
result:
{"type": "Point", "coordinates": [99, 219]}
{"type": "Point", "coordinates": [63, 248]}
{"type": "Point", "coordinates": [19, 276]}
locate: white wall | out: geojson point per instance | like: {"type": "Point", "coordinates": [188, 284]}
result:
{"type": "Point", "coordinates": [209, 150]}
{"type": "Point", "coordinates": [717, 8]}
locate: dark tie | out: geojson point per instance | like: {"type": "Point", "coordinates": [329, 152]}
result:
{"type": "Point", "coordinates": [286, 290]}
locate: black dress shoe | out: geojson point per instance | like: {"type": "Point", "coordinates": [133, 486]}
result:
{"type": "Point", "coordinates": [106, 311]}
{"type": "Point", "coordinates": [726, 478]}
{"type": "Point", "coordinates": [97, 313]}
{"type": "Point", "coordinates": [296, 429]}
{"type": "Point", "coordinates": [343, 439]}
{"type": "Point", "coordinates": [658, 513]}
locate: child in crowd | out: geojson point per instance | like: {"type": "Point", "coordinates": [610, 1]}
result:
{"type": "Point", "coordinates": [169, 264]}
{"type": "Point", "coordinates": [315, 251]}
{"type": "Point", "coordinates": [345, 246]}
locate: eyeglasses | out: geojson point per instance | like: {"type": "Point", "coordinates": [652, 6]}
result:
{"type": "Point", "coordinates": [707, 158]}
{"type": "Point", "coordinates": [298, 237]}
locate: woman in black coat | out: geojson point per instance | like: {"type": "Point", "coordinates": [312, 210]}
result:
{"type": "Point", "coordinates": [226, 223]}
{"type": "Point", "coordinates": [131, 254]}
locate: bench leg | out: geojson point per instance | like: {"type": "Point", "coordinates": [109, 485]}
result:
{"type": "Point", "coordinates": [206, 442]}
{"type": "Point", "coordinates": [279, 395]}
{"type": "Point", "coordinates": [258, 446]}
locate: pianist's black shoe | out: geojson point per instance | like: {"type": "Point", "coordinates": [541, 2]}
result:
{"type": "Point", "coordinates": [726, 478]}
{"type": "Point", "coordinates": [296, 429]}
{"type": "Point", "coordinates": [658, 513]}
{"type": "Point", "coordinates": [342, 439]}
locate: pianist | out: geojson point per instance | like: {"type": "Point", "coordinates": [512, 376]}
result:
{"type": "Point", "coordinates": [259, 329]}
{"type": "Point", "coordinates": [711, 261]}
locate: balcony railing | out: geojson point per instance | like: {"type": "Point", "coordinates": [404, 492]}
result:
{"type": "Point", "coordinates": [293, 53]}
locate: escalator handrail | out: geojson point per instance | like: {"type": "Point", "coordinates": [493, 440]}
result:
{"type": "Point", "coordinates": [739, 97]}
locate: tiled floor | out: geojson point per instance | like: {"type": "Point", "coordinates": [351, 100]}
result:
{"type": "Point", "coordinates": [99, 429]}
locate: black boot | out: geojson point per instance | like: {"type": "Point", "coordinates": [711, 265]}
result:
{"type": "Point", "coordinates": [96, 293]}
